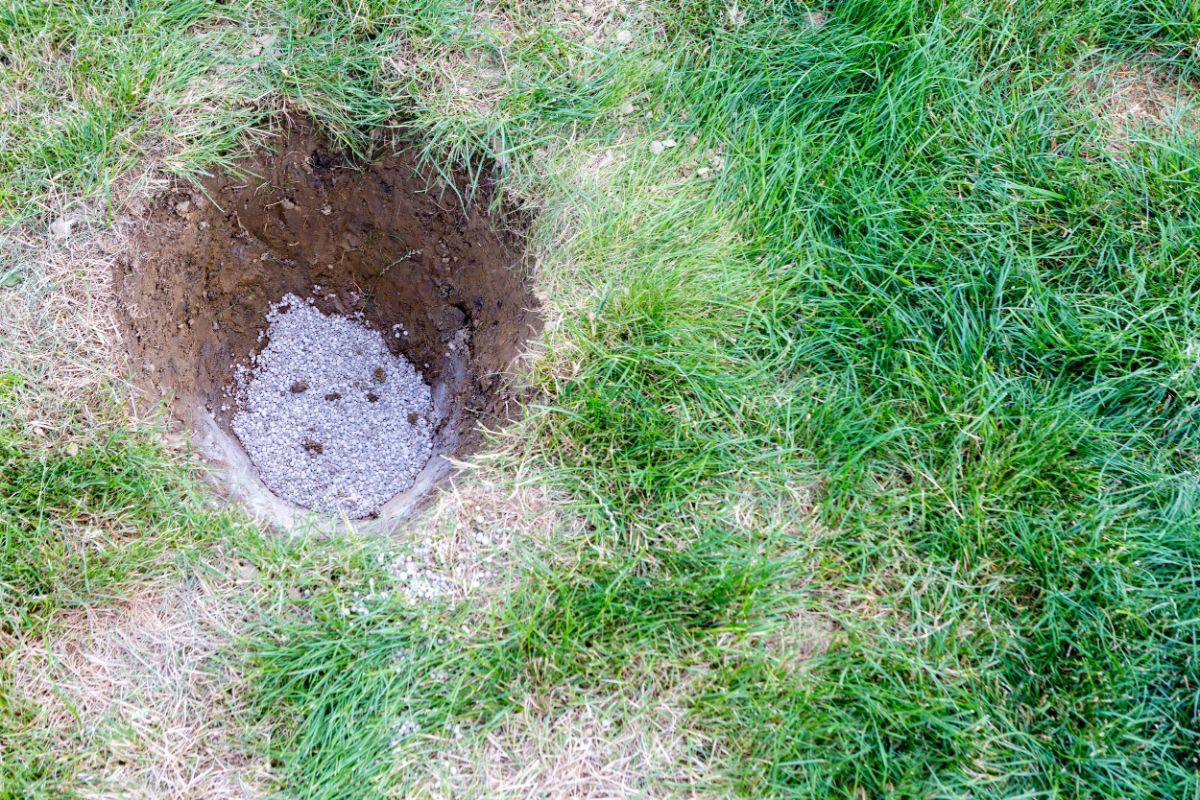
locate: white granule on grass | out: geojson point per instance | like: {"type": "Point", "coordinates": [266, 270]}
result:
{"type": "Point", "coordinates": [331, 419]}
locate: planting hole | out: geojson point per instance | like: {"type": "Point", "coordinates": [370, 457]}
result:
{"type": "Point", "coordinates": [331, 334]}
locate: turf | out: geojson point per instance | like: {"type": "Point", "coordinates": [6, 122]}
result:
{"type": "Point", "coordinates": [84, 518]}
{"type": "Point", "coordinates": [901, 333]}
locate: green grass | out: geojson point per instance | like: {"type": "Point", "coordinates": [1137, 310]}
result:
{"type": "Point", "coordinates": [85, 511]}
{"type": "Point", "coordinates": [923, 282]}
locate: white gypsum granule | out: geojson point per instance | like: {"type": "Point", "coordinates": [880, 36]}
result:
{"type": "Point", "coordinates": [331, 419]}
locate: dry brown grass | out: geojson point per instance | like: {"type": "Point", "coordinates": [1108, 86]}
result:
{"type": "Point", "coordinates": [599, 23]}
{"type": "Point", "coordinates": [629, 742]}
{"type": "Point", "coordinates": [139, 691]}
{"type": "Point", "coordinates": [59, 321]}
{"type": "Point", "coordinates": [1135, 100]}
{"type": "Point", "coordinates": [480, 518]}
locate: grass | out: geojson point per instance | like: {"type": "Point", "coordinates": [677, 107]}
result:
{"type": "Point", "coordinates": [85, 519]}
{"type": "Point", "coordinates": [920, 280]}
{"type": "Point", "coordinates": [80, 517]}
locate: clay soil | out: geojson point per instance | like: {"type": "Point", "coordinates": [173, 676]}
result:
{"type": "Point", "coordinates": [388, 241]}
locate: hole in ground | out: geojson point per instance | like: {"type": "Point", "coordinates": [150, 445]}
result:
{"type": "Point", "coordinates": [388, 247]}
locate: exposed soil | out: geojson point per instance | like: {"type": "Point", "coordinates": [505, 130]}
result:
{"type": "Point", "coordinates": [386, 242]}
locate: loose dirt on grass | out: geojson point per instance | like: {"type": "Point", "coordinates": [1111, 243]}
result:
{"type": "Point", "coordinates": [389, 246]}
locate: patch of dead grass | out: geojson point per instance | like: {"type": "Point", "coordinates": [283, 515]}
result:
{"type": "Point", "coordinates": [472, 534]}
{"type": "Point", "coordinates": [139, 690]}
{"type": "Point", "coordinates": [631, 743]}
{"type": "Point", "coordinates": [58, 322]}
{"type": "Point", "coordinates": [1135, 98]}
{"type": "Point", "coordinates": [598, 23]}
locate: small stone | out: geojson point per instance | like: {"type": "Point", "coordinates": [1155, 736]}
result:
{"type": "Point", "coordinates": [627, 109]}
{"type": "Point", "coordinates": [260, 43]}
{"type": "Point", "coordinates": [61, 227]}
{"type": "Point", "coordinates": [624, 37]}
{"type": "Point", "coordinates": [656, 147]}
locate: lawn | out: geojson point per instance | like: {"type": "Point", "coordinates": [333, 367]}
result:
{"type": "Point", "coordinates": [858, 457]}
